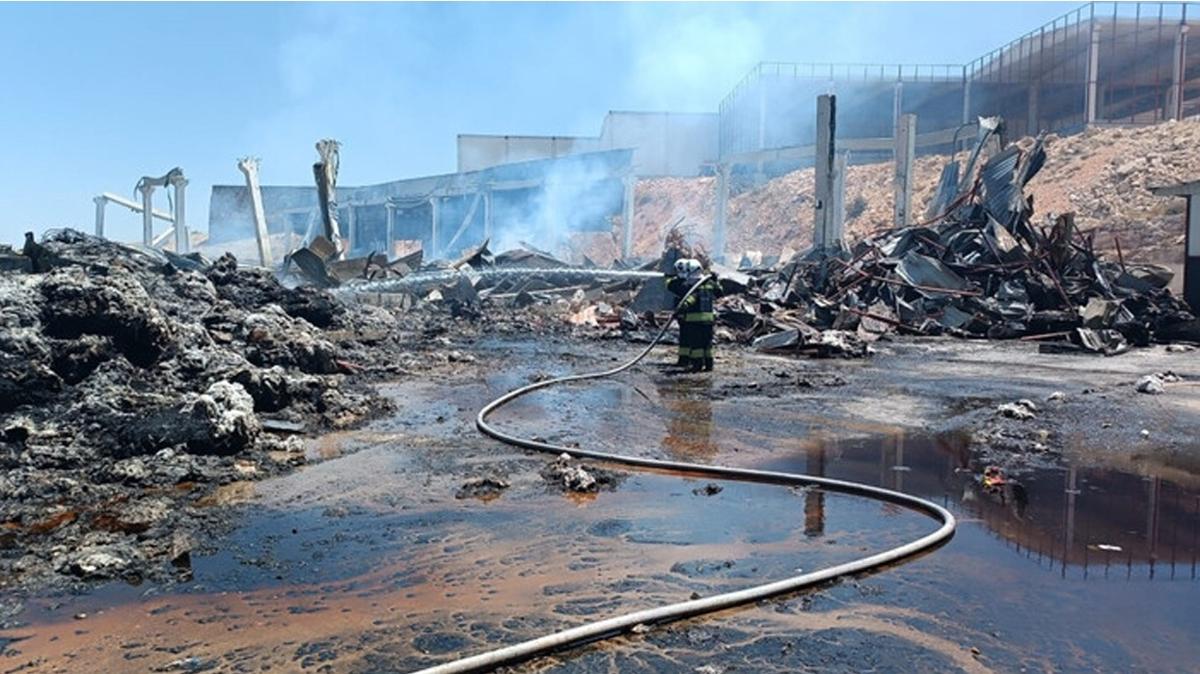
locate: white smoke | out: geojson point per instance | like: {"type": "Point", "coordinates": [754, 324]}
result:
{"type": "Point", "coordinates": [571, 199]}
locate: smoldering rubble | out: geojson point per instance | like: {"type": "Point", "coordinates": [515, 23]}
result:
{"type": "Point", "coordinates": [984, 266]}
{"type": "Point", "coordinates": [132, 382]}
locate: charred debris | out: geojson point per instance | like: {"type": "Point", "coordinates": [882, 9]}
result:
{"type": "Point", "coordinates": [982, 266]}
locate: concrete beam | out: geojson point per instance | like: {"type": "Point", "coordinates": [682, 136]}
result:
{"type": "Point", "coordinates": [906, 149]}
{"type": "Point", "coordinates": [807, 152]}
{"type": "Point", "coordinates": [1191, 240]}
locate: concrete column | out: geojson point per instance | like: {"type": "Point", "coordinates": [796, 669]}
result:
{"type": "Point", "coordinates": [833, 237]}
{"type": "Point", "coordinates": [487, 213]}
{"type": "Point", "coordinates": [390, 234]}
{"type": "Point", "coordinates": [249, 167]}
{"type": "Point", "coordinates": [824, 229]}
{"type": "Point", "coordinates": [760, 176]}
{"type": "Point", "coordinates": [906, 147]}
{"type": "Point", "coordinates": [1093, 74]}
{"type": "Point", "coordinates": [1175, 95]}
{"type": "Point", "coordinates": [897, 106]}
{"type": "Point", "coordinates": [100, 202]}
{"type": "Point", "coordinates": [718, 238]}
{"type": "Point", "coordinates": [627, 218]}
{"type": "Point", "coordinates": [966, 111]}
{"type": "Point", "coordinates": [182, 243]}
{"type": "Point", "coordinates": [434, 206]}
{"type": "Point", "coordinates": [351, 230]}
{"type": "Point", "coordinates": [1035, 94]}
{"type": "Point", "coordinates": [147, 215]}
{"type": "Point", "coordinates": [762, 115]}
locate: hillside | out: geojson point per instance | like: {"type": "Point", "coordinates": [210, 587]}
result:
{"type": "Point", "coordinates": [1101, 174]}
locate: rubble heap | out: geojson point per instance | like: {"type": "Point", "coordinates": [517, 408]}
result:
{"type": "Point", "coordinates": [1103, 175]}
{"type": "Point", "coordinates": [125, 372]}
{"type": "Point", "coordinates": [982, 268]}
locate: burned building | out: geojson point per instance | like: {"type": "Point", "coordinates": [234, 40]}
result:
{"type": "Point", "coordinates": [531, 201]}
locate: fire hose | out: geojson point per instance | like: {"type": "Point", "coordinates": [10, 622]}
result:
{"type": "Point", "coordinates": [601, 629]}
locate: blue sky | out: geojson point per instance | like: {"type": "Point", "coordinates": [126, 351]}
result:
{"type": "Point", "coordinates": [96, 95]}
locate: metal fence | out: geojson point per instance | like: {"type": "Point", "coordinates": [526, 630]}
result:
{"type": "Point", "coordinates": [1104, 62]}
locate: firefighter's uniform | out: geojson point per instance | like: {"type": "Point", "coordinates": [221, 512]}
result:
{"type": "Point", "coordinates": [696, 316]}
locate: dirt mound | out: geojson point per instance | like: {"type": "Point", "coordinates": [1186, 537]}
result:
{"type": "Point", "coordinates": [1102, 175]}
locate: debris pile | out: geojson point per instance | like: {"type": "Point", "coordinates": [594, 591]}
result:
{"type": "Point", "coordinates": [125, 371]}
{"type": "Point", "coordinates": [1101, 174]}
{"type": "Point", "coordinates": [983, 268]}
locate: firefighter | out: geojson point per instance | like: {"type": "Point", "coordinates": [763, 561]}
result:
{"type": "Point", "coordinates": [696, 315]}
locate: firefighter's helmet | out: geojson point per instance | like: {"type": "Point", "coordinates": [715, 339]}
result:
{"type": "Point", "coordinates": [688, 267]}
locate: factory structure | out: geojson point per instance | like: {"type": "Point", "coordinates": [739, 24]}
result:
{"type": "Point", "coordinates": [1101, 64]}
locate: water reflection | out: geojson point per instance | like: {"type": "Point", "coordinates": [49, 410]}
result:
{"type": "Point", "coordinates": [1075, 519]}
{"type": "Point", "coordinates": [814, 499]}
{"type": "Point", "coordinates": [689, 419]}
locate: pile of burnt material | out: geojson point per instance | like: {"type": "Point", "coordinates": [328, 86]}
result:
{"type": "Point", "coordinates": [519, 285]}
{"type": "Point", "coordinates": [981, 268]}
{"type": "Point", "coordinates": [126, 372]}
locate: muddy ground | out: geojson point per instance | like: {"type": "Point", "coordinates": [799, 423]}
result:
{"type": "Point", "coordinates": [375, 558]}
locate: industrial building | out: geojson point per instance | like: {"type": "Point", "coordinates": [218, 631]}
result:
{"type": "Point", "coordinates": [1103, 63]}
